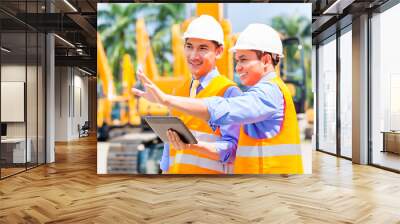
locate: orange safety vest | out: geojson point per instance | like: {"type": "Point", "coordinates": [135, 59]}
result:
{"type": "Point", "coordinates": [188, 161]}
{"type": "Point", "coordinates": [280, 154]}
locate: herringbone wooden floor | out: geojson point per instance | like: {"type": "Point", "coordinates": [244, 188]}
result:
{"type": "Point", "coordinates": [70, 191]}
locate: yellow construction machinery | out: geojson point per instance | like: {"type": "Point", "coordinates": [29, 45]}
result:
{"type": "Point", "coordinates": [106, 82]}
{"type": "Point", "coordinates": [292, 71]}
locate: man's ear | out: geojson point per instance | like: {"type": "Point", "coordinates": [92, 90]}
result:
{"type": "Point", "coordinates": [218, 51]}
{"type": "Point", "coordinates": [266, 59]}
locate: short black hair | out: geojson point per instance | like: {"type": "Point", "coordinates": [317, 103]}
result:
{"type": "Point", "coordinates": [217, 45]}
{"type": "Point", "coordinates": [275, 61]}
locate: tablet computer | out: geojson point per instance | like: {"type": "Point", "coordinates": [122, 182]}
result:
{"type": "Point", "coordinates": [161, 124]}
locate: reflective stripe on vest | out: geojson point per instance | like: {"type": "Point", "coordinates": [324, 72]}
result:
{"type": "Point", "coordinates": [205, 137]}
{"type": "Point", "coordinates": [204, 163]}
{"type": "Point", "coordinates": [265, 151]}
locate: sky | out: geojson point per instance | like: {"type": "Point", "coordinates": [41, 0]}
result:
{"type": "Point", "coordinates": [242, 14]}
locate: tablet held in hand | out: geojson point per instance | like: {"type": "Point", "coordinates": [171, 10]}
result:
{"type": "Point", "coordinates": [161, 124]}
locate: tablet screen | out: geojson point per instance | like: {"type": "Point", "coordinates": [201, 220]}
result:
{"type": "Point", "coordinates": [161, 124]}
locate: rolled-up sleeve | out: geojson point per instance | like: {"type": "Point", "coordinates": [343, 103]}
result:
{"type": "Point", "coordinates": [257, 104]}
{"type": "Point", "coordinates": [227, 145]}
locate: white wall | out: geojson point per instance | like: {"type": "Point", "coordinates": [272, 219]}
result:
{"type": "Point", "coordinates": [71, 94]}
{"type": "Point", "coordinates": [61, 103]}
{"type": "Point", "coordinates": [80, 110]}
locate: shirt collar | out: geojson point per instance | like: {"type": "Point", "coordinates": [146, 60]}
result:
{"type": "Point", "coordinates": [205, 80]}
{"type": "Point", "coordinates": [268, 76]}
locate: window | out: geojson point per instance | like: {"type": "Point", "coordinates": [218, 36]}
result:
{"type": "Point", "coordinates": [327, 96]}
{"type": "Point", "coordinates": [385, 89]}
{"type": "Point", "coordinates": [346, 93]}
{"type": "Point", "coordinates": [22, 76]}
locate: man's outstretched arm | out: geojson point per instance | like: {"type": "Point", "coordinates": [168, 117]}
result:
{"type": "Point", "coordinates": [194, 107]}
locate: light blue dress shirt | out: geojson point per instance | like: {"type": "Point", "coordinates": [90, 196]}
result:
{"type": "Point", "coordinates": [260, 108]}
{"type": "Point", "coordinates": [229, 132]}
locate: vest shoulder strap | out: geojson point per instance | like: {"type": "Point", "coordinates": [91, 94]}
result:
{"type": "Point", "coordinates": [217, 87]}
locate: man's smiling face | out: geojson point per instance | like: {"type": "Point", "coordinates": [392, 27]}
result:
{"type": "Point", "coordinates": [201, 55]}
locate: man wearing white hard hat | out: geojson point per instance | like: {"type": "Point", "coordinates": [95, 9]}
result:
{"type": "Point", "coordinates": [214, 154]}
{"type": "Point", "coordinates": [269, 140]}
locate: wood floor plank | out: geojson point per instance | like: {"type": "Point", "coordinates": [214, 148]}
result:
{"type": "Point", "coordinates": [70, 191]}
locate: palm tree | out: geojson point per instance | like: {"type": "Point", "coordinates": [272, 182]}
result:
{"type": "Point", "coordinates": [116, 25]}
{"type": "Point", "coordinates": [168, 14]}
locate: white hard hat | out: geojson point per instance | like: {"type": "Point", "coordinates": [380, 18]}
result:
{"type": "Point", "coordinates": [260, 37]}
{"type": "Point", "coordinates": [205, 27]}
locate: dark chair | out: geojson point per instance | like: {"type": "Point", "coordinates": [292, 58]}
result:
{"type": "Point", "coordinates": [84, 130]}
